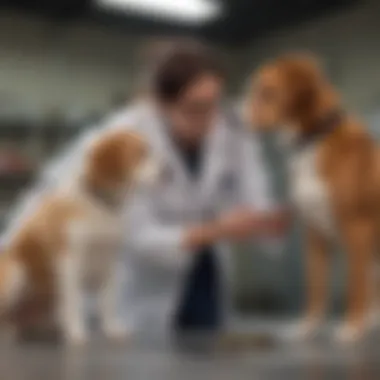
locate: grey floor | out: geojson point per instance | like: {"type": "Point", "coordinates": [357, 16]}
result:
{"type": "Point", "coordinates": [161, 361]}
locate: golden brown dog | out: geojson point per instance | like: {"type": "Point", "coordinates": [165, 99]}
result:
{"type": "Point", "coordinates": [333, 180]}
{"type": "Point", "coordinates": [72, 240]}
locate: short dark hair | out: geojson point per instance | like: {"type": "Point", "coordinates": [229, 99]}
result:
{"type": "Point", "coordinates": [180, 66]}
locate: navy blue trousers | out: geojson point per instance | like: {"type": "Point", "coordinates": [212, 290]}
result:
{"type": "Point", "coordinates": [200, 307]}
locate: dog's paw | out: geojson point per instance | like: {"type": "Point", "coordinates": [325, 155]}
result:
{"type": "Point", "coordinates": [303, 330]}
{"type": "Point", "coordinates": [117, 332]}
{"type": "Point", "coordinates": [350, 333]}
{"type": "Point", "coordinates": [76, 338]}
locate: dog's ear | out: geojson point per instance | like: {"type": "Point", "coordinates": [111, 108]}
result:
{"type": "Point", "coordinates": [304, 79]}
{"type": "Point", "coordinates": [112, 158]}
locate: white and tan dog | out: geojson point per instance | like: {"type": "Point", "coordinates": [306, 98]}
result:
{"type": "Point", "coordinates": [333, 181]}
{"type": "Point", "coordinates": [71, 242]}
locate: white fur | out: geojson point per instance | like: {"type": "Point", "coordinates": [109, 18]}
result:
{"type": "Point", "coordinates": [149, 172]}
{"type": "Point", "coordinates": [309, 192]}
{"type": "Point", "coordinates": [89, 264]}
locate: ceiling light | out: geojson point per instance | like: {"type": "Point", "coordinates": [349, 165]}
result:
{"type": "Point", "coordinates": [186, 11]}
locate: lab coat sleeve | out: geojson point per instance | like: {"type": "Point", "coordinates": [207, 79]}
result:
{"type": "Point", "coordinates": [152, 240]}
{"type": "Point", "coordinates": [255, 188]}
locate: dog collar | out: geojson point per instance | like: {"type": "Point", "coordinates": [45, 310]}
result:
{"type": "Point", "coordinates": [321, 128]}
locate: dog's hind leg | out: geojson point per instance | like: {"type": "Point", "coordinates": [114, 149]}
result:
{"type": "Point", "coordinates": [12, 285]}
{"type": "Point", "coordinates": [12, 282]}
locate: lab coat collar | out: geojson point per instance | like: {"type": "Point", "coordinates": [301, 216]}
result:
{"type": "Point", "coordinates": [208, 152]}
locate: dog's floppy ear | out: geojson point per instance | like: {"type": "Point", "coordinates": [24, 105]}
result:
{"type": "Point", "coordinates": [110, 159]}
{"type": "Point", "coordinates": [303, 77]}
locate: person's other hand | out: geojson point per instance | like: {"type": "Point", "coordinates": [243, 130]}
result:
{"type": "Point", "coordinates": [242, 223]}
{"type": "Point", "coordinates": [238, 224]}
{"type": "Point", "coordinates": [201, 235]}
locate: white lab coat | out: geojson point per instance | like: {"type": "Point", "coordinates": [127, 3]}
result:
{"type": "Point", "coordinates": [156, 219]}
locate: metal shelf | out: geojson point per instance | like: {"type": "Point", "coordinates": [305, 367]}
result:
{"type": "Point", "coordinates": [22, 131]}
{"type": "Point", "coordinates": [14, 181]}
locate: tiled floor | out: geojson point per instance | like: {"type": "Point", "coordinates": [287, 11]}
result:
{"type": "Point", "coordinates": [318, 360]}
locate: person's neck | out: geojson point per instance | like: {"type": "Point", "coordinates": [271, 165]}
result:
{"type": "Point", "coordinates": [180, 139]}
{"type": "Point", "coordinates": [186, 143]}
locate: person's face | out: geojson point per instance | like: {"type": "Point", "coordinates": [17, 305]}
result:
{"type": "Point", "coordinates": [193, 113]}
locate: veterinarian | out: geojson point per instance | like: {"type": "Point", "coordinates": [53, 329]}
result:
{"type": "Point", "coordinates": [212, 190]}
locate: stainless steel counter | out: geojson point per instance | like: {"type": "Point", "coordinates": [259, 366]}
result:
{"type": "Point", "coordinates": [153, 360]}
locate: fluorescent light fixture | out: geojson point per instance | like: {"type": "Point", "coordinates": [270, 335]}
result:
{"type": "Point", "coordinates": [186, 11]}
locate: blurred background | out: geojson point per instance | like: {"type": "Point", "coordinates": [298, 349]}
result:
{"type": "Point", "coordinates": [65, 64]}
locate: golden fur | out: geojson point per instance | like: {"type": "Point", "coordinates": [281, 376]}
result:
{"type": "Point", "coordinates": [292, 92]}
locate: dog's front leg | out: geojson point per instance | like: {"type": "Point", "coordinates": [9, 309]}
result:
{"type": "Point", "coordinates": [317, 261]}
{"type": "Point", "coordinates": [110, 300]}
{"type": "Point", "coordinates": [71, 296]}
{"type": "Point", "coordinates": [358, 235]}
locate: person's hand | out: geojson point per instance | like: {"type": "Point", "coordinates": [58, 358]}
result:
{"type": "Point", "coordinates": [201, 235]}
{"type": "Point", "coordinates": [241, 224]}
{"type": "Point", "coordinates": [275, 223]}
{"type": "Point", "coordinates": [237, 224]}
